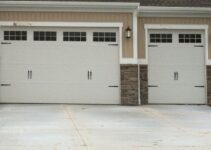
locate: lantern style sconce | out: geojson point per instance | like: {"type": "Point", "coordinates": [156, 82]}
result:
{"type": "Point", "coordinates": [128, 32]}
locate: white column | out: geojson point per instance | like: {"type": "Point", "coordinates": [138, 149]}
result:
{"type": "Point", "coordinates": [135, 37]}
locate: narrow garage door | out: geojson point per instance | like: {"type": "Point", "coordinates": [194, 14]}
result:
{"type": "Point", "coordinates": [59, 65]}
{"type": "Point", "coordinates": [176, 67]}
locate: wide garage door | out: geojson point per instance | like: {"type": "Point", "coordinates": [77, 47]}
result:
{"type": "Point", "coordinates": [176, 67]}
{"type": "Point", "coordinates": [59, 65]}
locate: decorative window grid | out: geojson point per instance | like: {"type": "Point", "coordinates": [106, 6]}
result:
{"type": "Point", "coordinates": [190, 38]}
{"type": "Point", "coordinates": [104, 36]}
{"type": "Point", "coordinates": [160, 38]}
{"type": "Point", "coordinates": [74, 36]}
{"type": "Point", "coordinates": [15, 35]}
{"type": "Point", "coordinates": [44, 36]}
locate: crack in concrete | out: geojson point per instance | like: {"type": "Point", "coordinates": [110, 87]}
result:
{"type": "Point", "coordinates": [82, 138]}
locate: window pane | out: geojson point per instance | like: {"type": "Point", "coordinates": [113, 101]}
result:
{"type": "Point", "coordinates": [6, 37]}
{"type": "Point", "coordinates": [198, 40]}
{"type": "Point", "coordinates": [152, 40]}
{"type": "Point", "coordinates": [83, 38]}
{"type": "Point", "coordinates": [75, 36]}
{"type": "Point", "coordinates": [95, 39]}
{"type": "Point", "coordinates": [6, 33]}
{"type": "Point", "coordinates": [101, 34]}
{"type": "Point", "coordinates": [169, 41]}
{"type": "Point", "coordinates": [181, 40]}
{"type": "Point", "coordinates": [107, 39]}
{"type": "Point", "coordinates": [65, 38]}
{"type": "Point", "coordinates": [113, 34]}
{"type": "Point", "coordinates": [12, 33]}
{"type": "Point", "coordinates": [189, 38]}
{"type": "Point", "coordinates": [113, 39]}
{"type": "Point", "coordinates": [198, 36]}
{"type": "Point", "coordinates": [65, 34]}
{"type": "Point", "coordinates": [83, 33]}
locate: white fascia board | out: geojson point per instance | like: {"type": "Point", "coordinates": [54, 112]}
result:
{"type": "Point", "coordinates": [154, 11]}
{"type": "Point", "coordinates": [67, 6]}
{"type": "Point", "coordinates": [176, 26]}
{"type": "Point", "coordinates": [61, 24]}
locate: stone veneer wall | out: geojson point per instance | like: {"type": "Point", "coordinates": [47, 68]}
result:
{"type": "Point", "coordinates": [129, 85]}
{"type": "Point", "coordinates": [209, 85]}
{"type": "Point", "coordinates": [143, 75]}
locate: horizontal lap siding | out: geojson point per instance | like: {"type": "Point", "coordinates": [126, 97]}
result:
{"type": "Point", "coordinates": [125, 18]}
{"type": "Point", "coordinates": [142, 21]}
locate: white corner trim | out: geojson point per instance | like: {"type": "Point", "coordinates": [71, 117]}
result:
{"type": "Point", "coordinates": [181, 26]}
{"type": "Point", "coordinates": [61, 24]}
{"type": "Point", "coordinates": [207, 60]}
{"type": "Point", "coordinates": [135, 35]}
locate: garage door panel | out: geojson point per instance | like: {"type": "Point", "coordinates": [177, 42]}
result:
{"type": "Point", "coordinates": [175, 55]}
{"type": "Point", "coordinates": [176, 71]}
{"type": "Point", "coordinates": [13, 73]}
{"type": "Point", "coordinates": [14, 54]}
{"type": "Point", "coordinates": [179, 94]}
{"type": "Point", "coordinates": [16, 93]}
{"type": "Point", "coordinates": [59, 73]}
{"type": "Point", "coordinates": [59, 69]}
{"type": "Point", "coordinates": [67, 94]}
{"type": "Point", "coordinates": [166, 73]}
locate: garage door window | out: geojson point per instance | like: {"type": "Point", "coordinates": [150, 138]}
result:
{"type": "Point", "coordinates": [44, 36]}
{"type": "Point", "coordinates": [74, 36]}
{"type": "Point", "coordinates": [15, 35]}
{"type": "Point", "coordinates": [160, 38]}
{"type": "Point", "coordinates": [104, 36]}
{"type": "Point", "coordinates": [190, 38]}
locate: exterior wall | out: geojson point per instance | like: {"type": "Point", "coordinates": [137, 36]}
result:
{"type": "Point", "coordinates": [209, 85]}
{"type": "Point", "coordinates": [129, 85]}
{"type": "Point", "coordinates": [143, 75]}
{"type": "Point", "coordinates": [157, 20]}
{"type": "Point", "coordinates": [125, 18]}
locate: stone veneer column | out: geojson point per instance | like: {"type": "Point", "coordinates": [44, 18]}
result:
{"type": "Point", "coordinates": [143, 75]}
{"type": "Point", "coordinates": [209, 85]}
{"type": "Point", "coordinates": [129, 85]}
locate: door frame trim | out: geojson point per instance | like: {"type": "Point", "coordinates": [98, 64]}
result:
{"type": "Point", "coordinates": [203, 27]}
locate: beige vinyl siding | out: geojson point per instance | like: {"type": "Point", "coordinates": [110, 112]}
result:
{"type": "Point", "coordinates": [125, 18]}
{"type": "Point", "coordinates": [143, 21]}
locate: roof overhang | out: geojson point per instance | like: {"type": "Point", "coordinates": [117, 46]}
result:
{"type": "Point", "coordinates": [68, 6]}
{"type": "Point", "coordinates": [154, 11]}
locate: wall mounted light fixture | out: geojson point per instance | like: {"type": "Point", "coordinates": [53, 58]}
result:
{"type": "Point", "coordinates": [128, 32]}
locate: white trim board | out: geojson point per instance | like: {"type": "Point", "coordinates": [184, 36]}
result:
{"type": "Point", "coordinates": [128, 61]}
{"type": "Point", "coordinates": [61, 24]}
{"type": "Point", "coordinates": [158, 11]}
{"type": "Point", "coordinates": [181, 26]}
{"type": "Point", "coordinates": [68, 6]}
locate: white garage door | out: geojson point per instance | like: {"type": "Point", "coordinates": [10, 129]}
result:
{"type": "Point", "coordinates": [176, 67]}
{"type": "Point", "coordinates": [59, 65]}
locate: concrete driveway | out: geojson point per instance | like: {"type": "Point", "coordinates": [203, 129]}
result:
{"type": "Point", "coordinates": [94, 127]}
